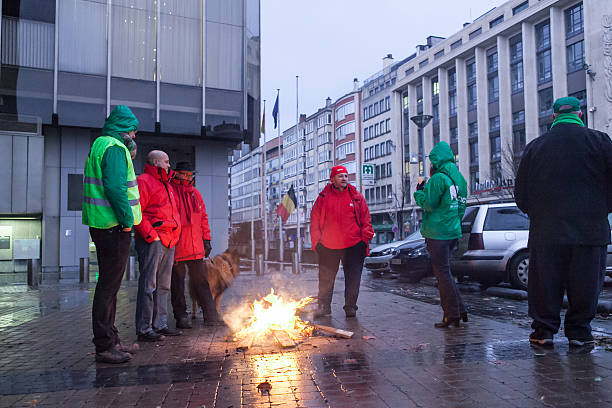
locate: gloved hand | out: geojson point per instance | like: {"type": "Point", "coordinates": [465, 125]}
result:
{"type": "Point", "coordinates": [421, 185]}
{"type": "Point", "coordinates": [207, 248]}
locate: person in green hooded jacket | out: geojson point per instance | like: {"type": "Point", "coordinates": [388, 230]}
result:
{"type": "Point", "coordinates": [111, 208]}
{"type": "Point", "coordinates": [443, 200]}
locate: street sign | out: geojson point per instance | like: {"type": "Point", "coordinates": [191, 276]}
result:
{"type": "Point", "coordinates": [367, 174]}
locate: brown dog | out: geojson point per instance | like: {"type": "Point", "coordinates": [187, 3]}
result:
{"type": "Point", "coordinates": [220, 273]}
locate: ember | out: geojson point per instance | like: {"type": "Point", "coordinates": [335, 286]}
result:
{"type": "Point", "coordinates": [276, 317]}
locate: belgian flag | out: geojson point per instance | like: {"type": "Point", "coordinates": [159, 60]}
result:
{"type": "Point", "coordinates": [287, 205]}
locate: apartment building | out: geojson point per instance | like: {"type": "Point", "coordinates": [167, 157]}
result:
{"type": "Point", "coordinates": [490, 87]}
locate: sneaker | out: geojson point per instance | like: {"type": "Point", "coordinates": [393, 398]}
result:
{"type": "Point", "coordinates": [322, 312]}
{"type": "Point", "coordinates": [183, 323]}
{"type": "Point", "coordinates": [589, 342]}
{"type": "Point", "coordinates": [150, 337]}
{"type": "Point", "coordinates": [131, 349]}
{"type": "Point", "coordinates": [112, 356]}
{"type": "Point", "coordinates": [542, 337]}
{"type": "Point", "coordinates": [166, 331]}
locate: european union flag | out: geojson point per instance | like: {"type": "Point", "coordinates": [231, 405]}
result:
{"type": "Point", "coordinates": [275, 112]}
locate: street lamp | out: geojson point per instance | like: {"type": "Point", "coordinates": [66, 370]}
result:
{"type": "Point", "coordinates": [421, 121]}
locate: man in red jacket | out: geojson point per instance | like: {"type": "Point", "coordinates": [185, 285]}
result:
{"type": "Point", "coordinates": [340, 229]}
{"type": "Point", "coordinates": [156, 237]}
{"type": "Point", "coordinates": [193, 246]}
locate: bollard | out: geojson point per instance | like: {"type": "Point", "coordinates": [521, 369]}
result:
{"type": "Point", "coordinates": [130, 274]}
{"type": "Point", "coordinates": [84, 270]}
{"type": "Point", "coordinates": [296, 263]}
{"type": "Point", "coordinates": [33, 273]}
{"type": "Point", "coordinates": [259, 266]}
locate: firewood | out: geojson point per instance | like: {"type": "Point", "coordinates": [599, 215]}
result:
{"type": "Point", "coordinates": [246, 342]}
{"type": "Point", "coordinates": [283, 339]}
{"type": "Point", "coordinates": [345, 334]}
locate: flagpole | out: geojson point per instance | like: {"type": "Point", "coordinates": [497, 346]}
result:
{"type": "Point", "coordinates": [280, 177]}
{"type": "Point", "coordinates": [297, 130]}
{"type": "Point", "coordinates": [264, 186]}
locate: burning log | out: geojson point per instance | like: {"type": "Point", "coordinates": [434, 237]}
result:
{"type": "Point", "coordinates": [345, 334]}
{"type": "Point", "coordinates": [283, 339]}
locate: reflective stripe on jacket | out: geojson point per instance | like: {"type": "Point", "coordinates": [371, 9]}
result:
{"type": "Point", "coordinates": [97, 210]}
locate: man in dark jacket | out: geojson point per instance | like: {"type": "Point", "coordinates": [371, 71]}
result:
{"type": "Point", "coordinates": [111, 209]}
{"type": "Point", "coordinates": [156, 237]}
{"type": "Point", "coordinates": [193, 246]}
{"type": "Point", "coordinates": [340, 229]}
{"type": "Point", "coordinates": [443, 200]}
{"type": "Point", "coordinates": [564, 185]}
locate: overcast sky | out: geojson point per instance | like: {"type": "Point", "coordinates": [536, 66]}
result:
{"type": "Point", "coordinates": [330, 42]}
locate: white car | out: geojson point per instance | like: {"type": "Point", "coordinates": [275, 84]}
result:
{"type": "Point", "coordinates": [378, 261]}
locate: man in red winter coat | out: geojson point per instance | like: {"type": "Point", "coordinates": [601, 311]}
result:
{"type": "Point", "coordinates": [192, 248]}
{"type": "Point", "coordinates": [340, 229]}
{"type": "Point", "coordinates": [156, 237]}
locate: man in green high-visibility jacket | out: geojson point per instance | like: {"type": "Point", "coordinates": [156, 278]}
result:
{"type": "Point", "coordinates": [111, 208]}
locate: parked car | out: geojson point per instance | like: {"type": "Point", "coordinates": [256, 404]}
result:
{"type": "Point", "coordinates": [411, 261]}
{"type": "Point", "coordinates": [493, 247]}
{"type": "Point", "coordinates": [378, 261]}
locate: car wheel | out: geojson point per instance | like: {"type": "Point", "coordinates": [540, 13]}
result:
{"type": "Point", "coordinates": [519, 271]}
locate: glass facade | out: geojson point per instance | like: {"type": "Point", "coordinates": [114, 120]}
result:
{"type": "Point", "coordinates": [133, 51]}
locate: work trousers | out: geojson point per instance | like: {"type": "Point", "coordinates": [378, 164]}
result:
{"type": "Point", "coordinates": [576, 269]}
{"type": "Point", "coordinates": [450, 298]}
{"type": "Point", "coordinates": [199, 282]}
{"type": "Point", "coordinates": [112, 248]}
{"type": "Point", "coordinates": [352, 264]}
{"type": "Point", "coordinates": [155, 265]}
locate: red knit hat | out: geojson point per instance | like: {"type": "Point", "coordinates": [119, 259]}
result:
{"type": "Point", "coordinates": [337, 170]}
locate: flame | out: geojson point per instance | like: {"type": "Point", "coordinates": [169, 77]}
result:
{"type": "Point", "coordinates": [275, 313]}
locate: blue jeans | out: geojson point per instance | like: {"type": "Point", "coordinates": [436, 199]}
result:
{"type": "Point", "coordinates": [155, 265]}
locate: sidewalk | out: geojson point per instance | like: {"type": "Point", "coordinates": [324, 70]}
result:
{"type": "Point", "coordinates": [47, 358]}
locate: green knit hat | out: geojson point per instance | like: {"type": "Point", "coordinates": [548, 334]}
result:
{"type": "Point", "coordinates": [567, 104]}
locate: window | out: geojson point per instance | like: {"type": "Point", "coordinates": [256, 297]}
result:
{"type": "Point", "coordinates": [473, 130]}
{"type": "Point", "coordinates": [496, 170]}
{"type": "Point", "coordinates": [310, 143]}
{"type": "Point", "coordinates": [382, 127]}
{"type": "Point", "coordinates": [435, 87]}
{"type": "Point", "coordinates": [351, 167]}
{"type": "Point", "coordinates": [542, 35]}
{"type": "Point", "coordinates": [321, 121]}
{"type": "Point", "coordinates": [377, 151]}
{"type": "Point", "coordinates": [496, 21]}
{"type": "Point", "coordinates": [376, 130]}
{"type": "Point", "coordinates": [452, 103]}
{"type": "Point", "coordinates": [492, 62]}
{"type": "Point", "coordinates": [470, 70]}
{"type": "Point", "coordinates": [506, 219]}
{"type": "Point", "coordinates": [388, 103]}
{"type": "Point", "coordinates": [324, 138]}
{"type": "Point", "coordinates": [345, 110]}
{"type": "Point", "coordinates": [365, 114]}
{"type": "Point", "coordinates": [518, 117]}
{"type": "Point", "coordinates": [520, 7]}
{"type": "Point", "coordinates": [545, 102]}
{"type": "Point", "coordinates": [323, 175]}
{"type": "Point", "coordinates": [473, 152]}
{"type": "Point", "coordinates": [575, 57]}
{"type": "Point", "coordinates": [544, 66]}
{"type": "Point", "coordinates": [574, 20]}
{"type": "Point", "coordinates": [439, 54]}
{"type": "Point", "coordinates": [471, 97]}
{"type": "Point", "coordinates": [345, 149]}
{"type": "Point", "coordinates": [456, 44]}
{"type": "Point", "coordinates": [309, 127]}
{"type": "Point", "coordinates": [436, 138]}
{"type": "Point", "coordinates": [324, 156]}
{"type": "Point", "coordinates": [419, 94]}
{"type": "Point", "coordinates": [366, 154]}
{"type": "Point", "coordinates": [452, 79]}
{"type": "Point", "coordinates": [423, 63]}
{"type": "Point", "coordinates": [405, 101]}
{"type": "Point", "coordinates": [494, 123]}
{"type": "Point", "coordinates": [454, 135]}
{"type": "Point", "coordinates": [370, 111]}
{"type": "Point", "coordinates": [518, 141]}
{"type": "Point", "coordinates": [516, 76]}
{"type": "Point", "coordinates": [388, 125]}
{"type": "Point", "coordinates": [344, 130]}
{"type": "Point", "coordinates": [366, 134]}
{"type": "Point", "coordinates": [474, 178]}
{"type": "Point", "coordinates": [516, 48]}
{"type": "Point", "coordinates": [436, 113]}
{"type": "Point", "coordinates": [475, 33]}
{"type": "Point", "coordinates": [409, 71]}
{"type": "Point", "coordinates": [493, 88]}
{"type": "Point", "coordinates": [495, 147]}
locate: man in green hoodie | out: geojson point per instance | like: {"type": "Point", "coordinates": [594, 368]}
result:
{"type": "Point", "coordinates": [111, 208]}
{"type": "Point", "coordinates": [443, 200]}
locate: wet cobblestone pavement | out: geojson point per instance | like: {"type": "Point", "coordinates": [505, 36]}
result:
{"type": "Point", "coordinates": [395, 359]}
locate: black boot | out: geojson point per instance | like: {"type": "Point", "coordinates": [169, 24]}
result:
{"type": "Point", "coordinates": [464, 316]}
{"type": "Point", "coordinates": [446, 322]}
